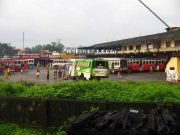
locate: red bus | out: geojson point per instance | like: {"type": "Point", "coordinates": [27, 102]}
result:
{"type": "Point", "coordinates": [5, 64]}
{"type": "Point", "coordinates": [146, 64]}
{"type": "Point", "coordinates": [133, 64]}
{"type": "Point", "coordinates": [21, 64]}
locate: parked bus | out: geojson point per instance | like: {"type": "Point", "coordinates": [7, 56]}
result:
{"type": "Point", "coordinates": [91, 68]}
{"type": "Point", "coordinates": [135, 64]}
{"type": "Point", "coordinates": [30, 63]}
{"type": "Point", "coordinates": [21, 64]}
{"type": "Point", "coordinates": [146, 64]}
{"type": "Point", "coordinates": [5, 64]}
{"type": "Point", "coordinates": [58, 63]}
{"type": "Point", "coordinates": [117, 64]}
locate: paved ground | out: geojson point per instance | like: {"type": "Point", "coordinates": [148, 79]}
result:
{"type": "Point", "coordinates": [142, 76]}
{"type": "Point", "coordinates": [30, 75]}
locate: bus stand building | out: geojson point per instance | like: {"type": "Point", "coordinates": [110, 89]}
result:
{"type": "Point", "coordinates": [157, 45]}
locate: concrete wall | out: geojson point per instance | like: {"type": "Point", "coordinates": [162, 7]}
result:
{"type": "Point", "coordinates": [178, 67]}
{"type": "Point", "coordinates": [163, 44]}
{"type": "Point", "coordinates": [172, 43]}
{"type": "Point", "coordinates": [172, 63]}
{"type": "Point", "coordinates": [144, 47]}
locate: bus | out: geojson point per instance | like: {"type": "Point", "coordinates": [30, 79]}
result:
{"type": "Point", "coordinates": [59, 63]}
{"type": "Point", "coordinates": [117, 64]}
{"type": "Point", "coordinates": [91, 68]}
{"type": "Point", "coordinates": [30, 63]}
{"type": "Point", "coordinates": [146, 64]}
{"type": "Point", "coordinates": [21, 64]}
{"type": "Point", "coordinates": [5, 64]}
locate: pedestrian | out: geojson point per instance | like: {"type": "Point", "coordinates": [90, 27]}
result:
{"type": "Point", "coordinates": [151, 69]}
{"type": "Point", "coordinates": [21, 70]}
{"type": "Point", "coordinates": [48, 74]}
{"type": "Point", "coordinates": [81, 77]}
{"type": "Point", "coordinates": [6, 74]}
{"type": "Point", "coordinates": [63, 73]}
{"type": "Point", "coordinates": [8, 70]}
{"type": "Point", "coordinates": [119, 74]}
{"type": "Point", "coordinates": [59, 73]}
{"type": "Point", "coordinates": [38, 71]}
{"type": "Point", "coordinates": [157, 68]}
{"type": "Point", "coordinates": [55, 73]}
{"type": "Point", "coordinates": [67, 71]}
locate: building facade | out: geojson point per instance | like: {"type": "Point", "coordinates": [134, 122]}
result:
{"type": "Point", "coordinates": [167, 42]}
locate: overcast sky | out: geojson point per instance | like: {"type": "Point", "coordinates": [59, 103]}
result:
{"type": "Point", "coordinates": [82, 22]}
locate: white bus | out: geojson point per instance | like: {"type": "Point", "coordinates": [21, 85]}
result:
{"type": "Point", "coordinates": [59, 63]}
{"type": "Point", "coordinates": [117, 64]}
{"type": "Point", "coordinates": [30, 63]}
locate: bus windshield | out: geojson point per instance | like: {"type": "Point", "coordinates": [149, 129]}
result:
{"type": "Point", "coordinates": [100, 64]}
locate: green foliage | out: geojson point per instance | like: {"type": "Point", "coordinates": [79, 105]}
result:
{"type": "Point", "coordinates": [93, 108]}
{"type": "Point", "coordinates": [53, 46]}
{"type": "Point", "coordinates": [108, 90]}
{"type": "Point", "coordinates": [7, 129]}
{"type": "Point", "coordinates": [13, 129]}
{"type": "Point", "coordinates": [24, 131]}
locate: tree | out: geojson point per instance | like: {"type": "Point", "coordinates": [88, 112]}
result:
{"type": "Point", "coordinates": [28, 50]}
{"type": "Point", "coordinates": [37, 48]}
{"type": "Point", "coordinates": [6, 49]}
{"type": "Point", "coordinates": [53, 46]}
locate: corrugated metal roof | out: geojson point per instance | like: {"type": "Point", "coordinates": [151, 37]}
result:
{"type": "Point", "coordinates": [113, 44]}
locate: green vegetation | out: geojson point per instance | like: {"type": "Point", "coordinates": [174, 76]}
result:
{"type": "Point", "coordinates": [128, 91]}
{"type": "Point", "coordinates": [13, 129]}
{"type": "Point", "coordinates": [87, 90]}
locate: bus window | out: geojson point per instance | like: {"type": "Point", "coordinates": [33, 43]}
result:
{"type": "Point", "coordinates": [123, 63]}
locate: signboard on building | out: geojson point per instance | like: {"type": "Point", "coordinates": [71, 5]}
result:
{"type": "Point", "coordinates": [30, 56]}
{"type": "Point", "coordinates": [25, 56]}
{"type": "Point", "coordinates": [54, 56]}
{"type": "Point", "coordinates": [80, 56]}
{"type": "Point", "coordinates": [150, 46]}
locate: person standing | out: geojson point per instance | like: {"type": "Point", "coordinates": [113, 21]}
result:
{"type": "Point", "coordinates": [47, 74]}
{"type": "Point", "coordinates": [67, 71]}
{"type": "Point", "coordinates": [8, 70]}
{"type": "Point", "coordinates": [21, 70]}
{"type": "Point", "coordinates": [38, 71]}
{"type": "Point", "coordinates": [55, 73]}
{"type": "Point", "coordinates": [6, 74]}
{"type": "Point", "coordinates": [59, 73]}
{"type": "Point", "coordinates": [63, 73]}
{"type": "Point", "coordinates": [119, 73]}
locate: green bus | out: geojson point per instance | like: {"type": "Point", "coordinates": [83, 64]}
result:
{"type": "Point", "coordinates": [91, 68]}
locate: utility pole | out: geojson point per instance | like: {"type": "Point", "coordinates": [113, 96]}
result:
{"type": "Point", "coordinates": [23, 41]}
